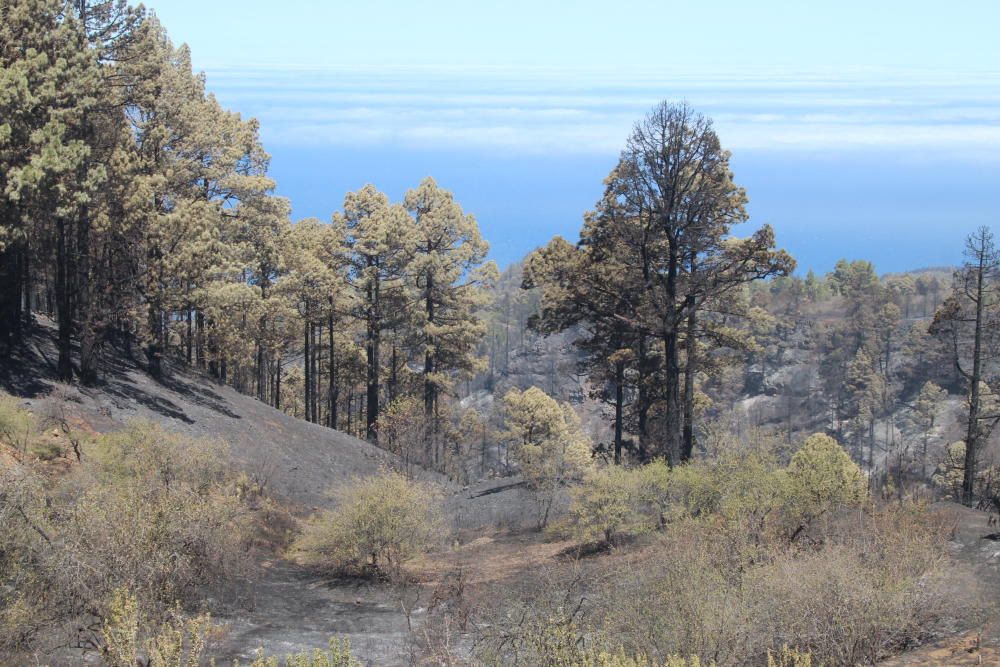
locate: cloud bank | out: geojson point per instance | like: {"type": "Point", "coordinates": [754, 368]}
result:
{"type": "Point", "coordinates": [942, 113]}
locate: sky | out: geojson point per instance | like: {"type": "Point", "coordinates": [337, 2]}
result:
{"type": "Point", "coordinates": [859, 129]}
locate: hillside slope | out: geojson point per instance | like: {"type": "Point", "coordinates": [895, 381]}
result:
{"type": "Point", "coordinates": [299, 462]}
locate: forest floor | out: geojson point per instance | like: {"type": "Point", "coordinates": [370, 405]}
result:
{"type": "Point", "coordinates": [295, 609]}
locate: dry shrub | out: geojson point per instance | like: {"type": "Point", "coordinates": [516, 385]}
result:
{"type": "Point", "coordinates": [129, 639]}
{"type": "Point", "coordinates": [338, 654]}
{"type": "Point", "coordinates": [844, 611]}
{"type": "Point", "coordinates": [147, 512]}
{"type": "Point", "coordinates": [560, 622]}
{"type": "Point", "coordinates": [405, 430]}
{"type": "Point", "coordinates": [682, 596]}
{"type": "Point", "coordinates": [379, 523]}
{"type": "Point", "coordinates": [879, 586]}
{"type": "Point", "coordinates": [18, 427]}
{"type": "Point", "coordinates": [875, 582]}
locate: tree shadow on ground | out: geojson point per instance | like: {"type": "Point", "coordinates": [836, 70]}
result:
{"type": "Point", "coordinates": [28, 370]}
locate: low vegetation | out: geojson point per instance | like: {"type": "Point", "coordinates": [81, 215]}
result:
{"type": "Point", "coordinates": [743, 556]}
{"type": "Point", "coordinates": [338, 654]}
{"type": "Point", "coordinates": [378, 524]}
{"type": "Point", "coordinates": [148, 519]}
{"type": "Point", "coordinates": [730, 557]}
{"type": "Point", "coordinates": [746, 487]}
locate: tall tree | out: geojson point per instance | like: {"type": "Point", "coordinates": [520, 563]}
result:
{"type": "Point", "coordinates": [925, 410]}
{"type": "Point", "coordinates": [451, 278]}
{"type": "Point", "coordinates": [674, 178]}
{"type": "Point", "coordinates": [970, 320]}
{"type": "Point", "coordinates": [586, 286]}
{"type": "Point", "coordinates": [380, 239]}
{"type": "Point", "coordinates": [52, 83]}
{"type": "Point", "coordinates": [666, 217]}
{"type": "Point", "coordinates": [316, 273]}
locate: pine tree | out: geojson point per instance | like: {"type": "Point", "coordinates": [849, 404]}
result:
{"type": "Point", "coordinates": [451, 279]}
{"type": "Point", "coordinates": [380, 240]}
{"type": "Point", "coordinates": [314, 275]}
{"type": "Point", "coordinates": [660, 245]}
{"type": "Point", "coordinates": [925, 410]}
{"type": "Point", "coordinates": [52, 83]}
{"type": "Point", "coordinates": [969, 320]}
{"type": "Point", "coordinates": [586, 287]}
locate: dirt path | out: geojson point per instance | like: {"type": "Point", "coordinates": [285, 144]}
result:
{"type": "Point", "coordinates": [295, 610]}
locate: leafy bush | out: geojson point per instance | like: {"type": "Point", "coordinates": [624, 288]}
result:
{"type": "Point", "coordinates": [178, 641]}
{"type": "Point", "coordinates": [548, 443]}
{"type": "Point", "coordinates": [746, 488]}
{"type": "Point", "coordinates": [822, 477]}
{"type": "Point", "coordinates": [379, 523]}
{"type": "Point", "coordinates": [687, 490]}
{"type": "Point", "coordinates": [605, 504]}
{"type": "Point", "coordinates": [752, 491]}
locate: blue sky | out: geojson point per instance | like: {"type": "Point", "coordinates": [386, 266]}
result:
{"type": "Point", "coordinates": [859, 129]}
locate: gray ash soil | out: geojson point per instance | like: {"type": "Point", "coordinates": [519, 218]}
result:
{"type": "Point", "coordinates": [294, 609]}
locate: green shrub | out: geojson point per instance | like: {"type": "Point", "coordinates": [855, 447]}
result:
{"type": "Point", "coordinates": [178, 641]}
{"type": "Point", "coordinates": [379, 523]}
{"type": "Point", "coordinates": [789, 657]}
{"type": "Point", "coordinates": [606, 504]}
{"type": "Point", "coordinates": [548, 442]}
{"type": "Point", "coordinates": [18, 426]}
{"type": "Point", "coordinates": [687, 490]}
{"type": "Point", "coordinates": [822, 477]}
{"type": "Point", "coordinates": [337, 655]}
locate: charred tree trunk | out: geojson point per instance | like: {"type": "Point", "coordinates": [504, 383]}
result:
{"type": "Point", "coordinates": [691, 367]}
{"type": "Point", "coordinates": [972, 430]}
{"type": "Point", "coordinates": [332, 397]}
{"type": "Point", "coordinates": [64, 302]}
{"type": "Point", "coordinates": [12, 273]}
{"type": "Point", "coordinates": [307, 368]}
{"type": "Point", "coordinates": [371, 412]}
{"type": "Point", "coordinates": [619, 405]}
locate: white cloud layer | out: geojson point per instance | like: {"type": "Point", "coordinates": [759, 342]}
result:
{"type": "Point", "coordinates": [951, 113]}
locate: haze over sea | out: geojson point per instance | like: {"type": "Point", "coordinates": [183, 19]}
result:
{"type": "Point", "coordinates": [871, 142]}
